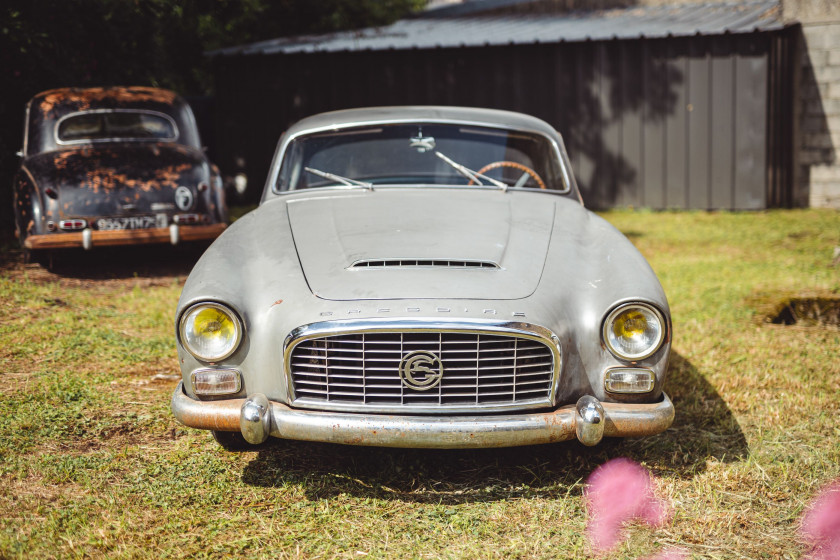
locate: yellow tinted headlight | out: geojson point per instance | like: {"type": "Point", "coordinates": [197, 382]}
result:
{"type": "Point", "coordinates": [210, 331]}
{"type": "Point", "coordinates": [634, 331]}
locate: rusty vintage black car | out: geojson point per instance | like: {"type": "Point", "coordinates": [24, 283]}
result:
{"type": "Point", "coordinates": [113, 166]}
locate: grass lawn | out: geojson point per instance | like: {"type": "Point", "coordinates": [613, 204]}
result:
{"type": "Point", "coordinates": [93, 465]}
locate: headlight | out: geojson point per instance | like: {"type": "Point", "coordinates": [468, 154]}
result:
{"type": "Point", "coordinates": [210, 331]}
{"type": "Point", "coordinates": [634, 331]}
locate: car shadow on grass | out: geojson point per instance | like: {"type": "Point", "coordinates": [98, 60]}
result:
{"type": "Point", "coordinates": [110, 263]}
{"type": "Point", "coordinates": [704, 430]}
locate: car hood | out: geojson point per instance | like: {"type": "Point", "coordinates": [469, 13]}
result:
{"type": "Point", "coordinates": [111, 179]}
{"type": "Point", "coordinates": [422, 243]}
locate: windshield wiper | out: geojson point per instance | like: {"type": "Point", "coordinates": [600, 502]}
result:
{"type": "Point", "coordinates": [339, 178]}
{"type": "Point", "coordinates": [470, 174]}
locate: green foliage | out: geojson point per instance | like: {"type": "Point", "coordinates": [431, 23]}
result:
{"type": "Point", "coordinates": [53, 43]}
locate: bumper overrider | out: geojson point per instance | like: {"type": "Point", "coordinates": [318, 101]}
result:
{"type": "Point", "coordinates": [89, 238]}
{"type": "Point", "coordinates": [588, 420]}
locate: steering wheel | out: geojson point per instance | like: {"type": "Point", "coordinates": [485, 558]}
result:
{"type": "Point", "coordinates": [513, 165]}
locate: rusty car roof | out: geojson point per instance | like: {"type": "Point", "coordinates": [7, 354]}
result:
{"type": "Point", "coordinates": [57, 102]}
{"type": "Point", "coordinates": [46, 109]}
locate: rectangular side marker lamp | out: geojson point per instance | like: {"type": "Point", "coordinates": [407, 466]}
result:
{"type": "Point", "coordinates": [214, 382]}
{"type": "Point", "coordinates": [629, 380]}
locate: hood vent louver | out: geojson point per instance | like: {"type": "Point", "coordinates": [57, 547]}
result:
{"type": "Point", "coordinates": [422, 263]}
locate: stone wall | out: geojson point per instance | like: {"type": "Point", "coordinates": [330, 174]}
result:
{"type": "Point", "coordinates": [817, 116]}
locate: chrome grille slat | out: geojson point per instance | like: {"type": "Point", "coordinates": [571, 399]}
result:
{"type": "Point", "coordinates": [368, 357]}
{"type": "Point", "coordinates": [340, 367]}
{"type": "Point", "coordinates": [338, 351]}
{"type": "Point", "coordinates": [482, 370]}
{"type": "Point", "coordinates": [305, 377]}
{"type": "Point", "coordinates": [495, 368]}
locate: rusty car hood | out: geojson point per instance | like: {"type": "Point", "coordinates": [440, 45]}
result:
{"type": "Point", "coordinates": [119, 178]}
{"type": "Point", "coordinates": [422, 243]}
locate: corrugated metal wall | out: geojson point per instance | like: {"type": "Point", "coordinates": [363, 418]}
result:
{"type": "Point", "coordinates": [668, 123]}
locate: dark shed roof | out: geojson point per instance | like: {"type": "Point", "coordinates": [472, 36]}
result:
{"type": "Point", "coordinates": [444, 30]}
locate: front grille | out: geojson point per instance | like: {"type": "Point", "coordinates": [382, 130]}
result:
{"type": "Point", "coordinates": [480, 370]}
{"type": "Point", "coordinates": [422, 263]}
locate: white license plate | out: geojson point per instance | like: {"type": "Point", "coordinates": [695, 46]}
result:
{"type": "Point", "coordinates": [127, 222]}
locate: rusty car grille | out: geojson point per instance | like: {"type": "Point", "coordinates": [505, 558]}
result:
{"type": "Point", "coordinates": [479, 370]}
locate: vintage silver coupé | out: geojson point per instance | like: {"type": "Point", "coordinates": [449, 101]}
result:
{"type": "Point", "coordinates": [422, 277]}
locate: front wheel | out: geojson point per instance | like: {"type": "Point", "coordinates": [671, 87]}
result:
{"type": "Point", "coordinates": [41, 257]}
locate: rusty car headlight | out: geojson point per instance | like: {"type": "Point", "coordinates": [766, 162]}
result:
{"type": "Point", "coordinates": [210, 331]}
{"type": "Point", "coordinates": [634, 331]}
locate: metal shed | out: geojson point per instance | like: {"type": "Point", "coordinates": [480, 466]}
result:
{"type": "Point", "coordinates": [686, 106]}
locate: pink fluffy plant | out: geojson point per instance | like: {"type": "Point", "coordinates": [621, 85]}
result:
{"type": "Point", "coordinates": [617, 492]}
{"type": "Point", "coordinates": [821, 524]}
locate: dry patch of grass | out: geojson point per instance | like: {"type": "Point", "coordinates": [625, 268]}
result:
{"type": "Point", "coordinates": [93, 465]}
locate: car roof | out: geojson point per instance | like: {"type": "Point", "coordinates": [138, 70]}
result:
{"type": "Point", "coordinates": [420, 113]}
{"type": "Point", "coordinates": [57, 102]}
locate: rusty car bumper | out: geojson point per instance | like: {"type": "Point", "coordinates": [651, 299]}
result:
{"type": "Point", "coordinates": [278, 420]}
{"type": "Point", "coordinates": [95, 238]}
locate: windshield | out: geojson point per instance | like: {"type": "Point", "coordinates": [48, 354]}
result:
{"type": "Point", "coordinates": [429, 154]}
{"type": "Point", "coordinates": [116, 125]}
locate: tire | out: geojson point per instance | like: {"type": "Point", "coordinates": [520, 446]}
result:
{"type": "Point", "coordinates": [43, 258]}
{"type": "Point", "coordinates": [233, 441]}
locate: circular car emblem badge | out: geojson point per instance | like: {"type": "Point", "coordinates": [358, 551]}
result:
{"type": "Point", "coordinates": [183, 198]}
{"type": "Point", "coordinates": [420, 370]}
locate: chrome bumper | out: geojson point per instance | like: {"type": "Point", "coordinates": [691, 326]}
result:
{"type": "Point", "coordinates": [257, 418]}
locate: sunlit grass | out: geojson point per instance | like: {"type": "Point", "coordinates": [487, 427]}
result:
{"type": "Point", "coordinates": [93, 465]}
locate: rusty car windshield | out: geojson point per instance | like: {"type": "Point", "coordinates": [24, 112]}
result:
{"type": "Point", "coordinates": [410, 154]}
{"type": "Point", "coordinates": [99, 126]}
